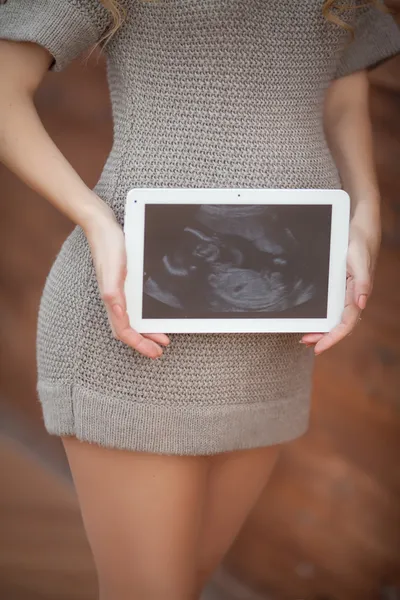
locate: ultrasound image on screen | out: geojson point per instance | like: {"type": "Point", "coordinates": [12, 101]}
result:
{"type": "Point", "coordinates": [236, 261]}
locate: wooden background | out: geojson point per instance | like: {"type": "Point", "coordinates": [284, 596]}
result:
{"type": "Point", "coordinates": [328, 526]}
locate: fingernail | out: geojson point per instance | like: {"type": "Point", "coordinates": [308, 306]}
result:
{"type": "Point", "coordinates": [362, 301]}
{"type": "Point", "coordinates": [117, 310]}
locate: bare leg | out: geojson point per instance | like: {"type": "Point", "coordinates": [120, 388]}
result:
{"type": "Point", "coordinates": [235, 483]}
{"type": "Point", "coordinates": [142, 515]}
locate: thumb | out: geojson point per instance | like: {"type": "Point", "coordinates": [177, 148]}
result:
{"type": "Point", "coordinates": [360, 271]}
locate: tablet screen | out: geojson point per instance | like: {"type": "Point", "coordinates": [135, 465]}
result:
{"type": "Point", "coordinates": [216, 261]}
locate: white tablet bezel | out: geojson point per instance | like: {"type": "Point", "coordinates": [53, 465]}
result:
{"type": "Point", "coordinates": [134, 235]}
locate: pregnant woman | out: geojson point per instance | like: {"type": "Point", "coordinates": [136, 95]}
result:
{"type": "Point", "coordinates": [170, 455]}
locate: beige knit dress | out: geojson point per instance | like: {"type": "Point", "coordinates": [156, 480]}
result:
{"type": "Point", "coordinates": [205, 93]}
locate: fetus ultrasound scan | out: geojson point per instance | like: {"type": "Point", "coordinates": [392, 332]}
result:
{"type": "Point", "coordinates": [236, 261]}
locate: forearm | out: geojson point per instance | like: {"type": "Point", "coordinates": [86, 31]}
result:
{"type": "Point", "coordinates": [28, 151]}
{"type": "Point", "coordinates": [349, 134]}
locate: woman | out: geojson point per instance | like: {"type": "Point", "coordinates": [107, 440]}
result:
{"type": "Point", "coordinates": [170, 455]}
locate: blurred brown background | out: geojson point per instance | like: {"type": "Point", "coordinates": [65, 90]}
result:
{"type": "Point", "coordinates": [328, 526]}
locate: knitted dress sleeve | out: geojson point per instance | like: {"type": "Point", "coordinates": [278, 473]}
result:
{"type": "Point", "coordinates": [376, 38]}
{"type": "Point", "coordinates": [66, 28]}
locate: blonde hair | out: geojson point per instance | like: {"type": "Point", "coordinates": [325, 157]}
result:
{"type": "Point", "coordinates": [331, 9]}
{"type": "Point", "coordinates": [118, 16]}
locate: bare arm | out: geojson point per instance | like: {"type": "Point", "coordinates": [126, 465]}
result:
{"type": "Point", "coordinates": [28, 151]}
{"type": "Point", "coordinates": [349, 134]}
{"type": "Point", "coordinates": [348, 131]}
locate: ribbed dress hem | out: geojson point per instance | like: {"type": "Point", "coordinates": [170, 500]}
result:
{"type": "Point", "coordinates": [163, 429]}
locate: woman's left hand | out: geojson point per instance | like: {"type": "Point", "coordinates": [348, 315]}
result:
{"type": "Point", "coordinates": [361, 259]}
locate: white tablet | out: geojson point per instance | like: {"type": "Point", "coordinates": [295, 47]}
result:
{"type": "Point", "coordinates": [235, 260]}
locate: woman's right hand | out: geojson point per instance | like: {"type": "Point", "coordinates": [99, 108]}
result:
{"type": "Point", "coordinates": [107, 243]}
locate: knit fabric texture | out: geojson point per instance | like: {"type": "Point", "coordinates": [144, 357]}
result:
{"type": "Point", "coordinates": [205, 93]}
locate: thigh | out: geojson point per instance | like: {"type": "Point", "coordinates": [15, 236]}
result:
{"type": "Point", "coordinates": [142, 515]}
{"type": "Point", "coordinates": [235, 483]}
